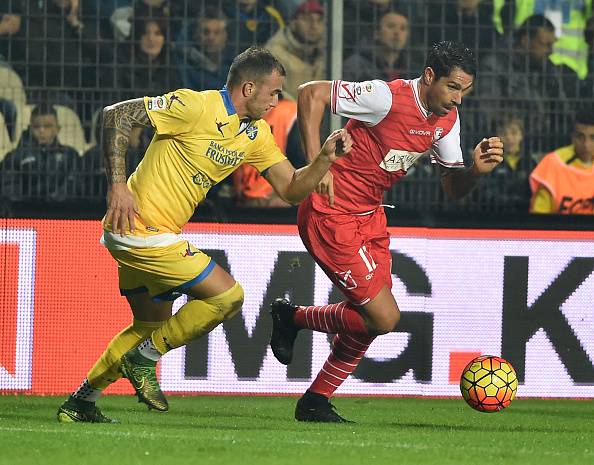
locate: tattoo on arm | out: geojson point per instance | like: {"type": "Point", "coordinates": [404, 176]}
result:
{"type": "Point", "coordinates": [118, 121]}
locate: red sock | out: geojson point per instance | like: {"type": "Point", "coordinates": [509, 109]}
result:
{"type": "Point", "coordinates": [347, 351]}
{"type": "Point", "coordinates": [342, 317]}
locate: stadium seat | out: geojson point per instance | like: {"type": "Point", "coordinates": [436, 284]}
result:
{"type": "Point", "coordinates": [71, 131]}
{"type": "Point", "coordinates": [13, 91]}
{"type": "Point", "coordinates": [5, 142]}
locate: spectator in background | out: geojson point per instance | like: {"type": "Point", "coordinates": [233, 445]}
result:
{"type": "Point", "coordinates": [59, 50]}
{"type": "Point", "coordinates": [563, 181]}
{"type": "Point", "coordinates": [507, 188]}
{"type": "Point", "coordinates": [123, 17]}
{"type": "Point", "coordinates": [251, 22]}
{"type": "Point", "coordinates": [574, 87]}
{"type": "Point", "coordinates": [300, 47]}
{"type": "Point", "coordinates": [146, 63]}
{"type": "Point", "coordinates": [252, 189]}
{"type": "Point", "coordinates": [466, 21]}
{"type": "Point", "coordinates": [40, 167]}
{"type": "Point", "coordinates": [203, 52]}
{"type": "Point", "coordinates": [524, 82]}
{"type": "Point", "coordinates": [10, 25]}
{"type": "Point", "coordinates": [387, 55]}
{"type": "Point", "coordinates": [146, 68]}
{"type": "Point", "coordinates": [361, 18]}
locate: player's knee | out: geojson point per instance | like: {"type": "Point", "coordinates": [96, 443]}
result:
{"type": "Point", "coordinates": [385, 323]}
{"type": "Point", "coordinates": [232, 301]}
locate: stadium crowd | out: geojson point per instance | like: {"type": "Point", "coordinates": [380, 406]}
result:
{"type": "Point", "coordinates": [62, 61]}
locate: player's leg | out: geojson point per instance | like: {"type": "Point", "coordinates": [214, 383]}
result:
{"type": "Point", "coordinates": [148, 316]}
{"type": "Point", "coordinates": [363, 273]}
{"type": "Point", "coordinates": [346, 353]}
{"type": "Point", "coordinates": [214, 298]}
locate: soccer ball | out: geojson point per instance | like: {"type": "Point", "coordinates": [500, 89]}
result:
{"type": "Point", "coordinates": [488, 383]}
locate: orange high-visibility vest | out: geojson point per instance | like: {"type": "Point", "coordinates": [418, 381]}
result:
{"type": "Point", "coordinates": [247, 181]}
{"type": "Point", "coordinates": [572, 188]}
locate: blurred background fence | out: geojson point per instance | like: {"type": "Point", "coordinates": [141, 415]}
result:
{"type": "Point", "coordinates": [62, 61]}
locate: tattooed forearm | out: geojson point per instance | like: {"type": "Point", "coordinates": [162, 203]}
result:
{"type": "Point", "coordinates": [118, 121]}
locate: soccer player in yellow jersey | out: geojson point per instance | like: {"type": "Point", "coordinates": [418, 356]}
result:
{"type": "Point", "coordinates": [200, 138]}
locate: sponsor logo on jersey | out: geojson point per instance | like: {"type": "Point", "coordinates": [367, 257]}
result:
{"type": "Point", "coordinates": [223, 155]}
{"type": "Point", "coordinates": [202, 180]}
{"type": "Point", "coordinates": [172, 99]}
{"type": "Point", "coordinates": [346, 279]}
{"type": "Point", "coordinates": [251, 131]}
{"type": "Point", "coordinates": [419, 132]}
{"type": "Point", "coordinates": [400, 160]}
{"type": "Point", "coordinates": [220, 127]}
{"type": "Point", "coordinates": [188, 252]}
{"type": "Point", "coordinates": [157, 103]}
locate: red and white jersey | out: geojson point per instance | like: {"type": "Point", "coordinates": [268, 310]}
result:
{"type": "Point", "coordinates": [391, 130]}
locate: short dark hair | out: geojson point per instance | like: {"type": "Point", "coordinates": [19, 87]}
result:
{"type": "Point", "coordinates": [212, 12]}
{"type": "Point", "coordinates": [252, 65]}
{"type": "Point", "coordinates": [43, 109]}
{"type": "Point", "coordinates": [585, 115]}
{"type": "Point", "coordinates": [531, 26]}
{"type": "Point", "coordinates": [446, 55]}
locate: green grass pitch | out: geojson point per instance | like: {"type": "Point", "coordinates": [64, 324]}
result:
{"type": "Point", "coordinates": [261, 430]}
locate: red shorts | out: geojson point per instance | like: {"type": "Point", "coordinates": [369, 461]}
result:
{"type": "Point", "coordinates": [353, 250]}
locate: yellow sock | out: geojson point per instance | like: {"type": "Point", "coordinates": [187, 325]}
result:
{"type": "Point", "coordinates": [197, 318]}
{"type": "Point", "coordinates": [107, 369]}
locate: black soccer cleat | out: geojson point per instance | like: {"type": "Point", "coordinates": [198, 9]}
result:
{"type": "Point", "coordinates": [71, 411]}
{"type": "Point", "coordinates": [284, 330]}
{"type": "Point", "coordinates": [317, 408]}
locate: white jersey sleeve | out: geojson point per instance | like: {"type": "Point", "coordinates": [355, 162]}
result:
{"type": "Point", "coordinates": [367, 101]}
{"type": "Point", "coordinates": [446, 150]}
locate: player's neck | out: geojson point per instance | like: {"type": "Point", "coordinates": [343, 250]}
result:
{"type": "Point", "coordinates": [422, 91]}
{"type": "Point", "coordinates": [239, 104]}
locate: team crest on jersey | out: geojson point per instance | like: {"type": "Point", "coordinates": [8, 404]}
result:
{"type": "Point", "coordinates": [437, 134]}
{"type": "Point", "coordinates": [252, 131]}
{"type": "Point", "coordinates": [157, 103]}
{"type": "Point", "coordinates": [400, 160]}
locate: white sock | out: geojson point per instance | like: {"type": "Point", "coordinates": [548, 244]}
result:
{"type": "Point", "coordinates": [87, 393]}
{"type": "Point", "coordinates": [147, 349]}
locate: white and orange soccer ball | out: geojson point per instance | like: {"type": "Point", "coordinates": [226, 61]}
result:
{"type": "Point", "coordinates": [489, 383]}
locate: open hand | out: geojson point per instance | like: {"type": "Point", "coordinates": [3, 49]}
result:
{"type": "Point", "coordinates": [121, 208]}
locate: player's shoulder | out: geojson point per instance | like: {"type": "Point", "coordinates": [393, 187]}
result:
{"type": "Point", "coordinates": [565, 154]}
{"type": "Point", "coordinates": [259, 130]}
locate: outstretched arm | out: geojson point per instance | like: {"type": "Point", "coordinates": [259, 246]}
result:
{"type": "Point", "coordinates": [118, 121]}
{"type": "Point", "coordinates": [456, 183]}
{"type": "Point", "coordinates": [295, 185]}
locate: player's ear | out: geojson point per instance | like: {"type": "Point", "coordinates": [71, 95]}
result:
{"type": "Point", "coordinates": [248, 88]}
{"type": "Point", "coordinates": [428, 75]}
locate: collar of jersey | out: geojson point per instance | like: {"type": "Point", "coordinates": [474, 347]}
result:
{"type": "Point", "coordinates": [227, 101]}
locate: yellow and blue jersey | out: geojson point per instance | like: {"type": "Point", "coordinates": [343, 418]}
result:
{"type": "Point", "coordinates": [199, 140]}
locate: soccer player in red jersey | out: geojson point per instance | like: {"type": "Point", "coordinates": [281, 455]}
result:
{"type": "Point", "coordinates": [343, 225]}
